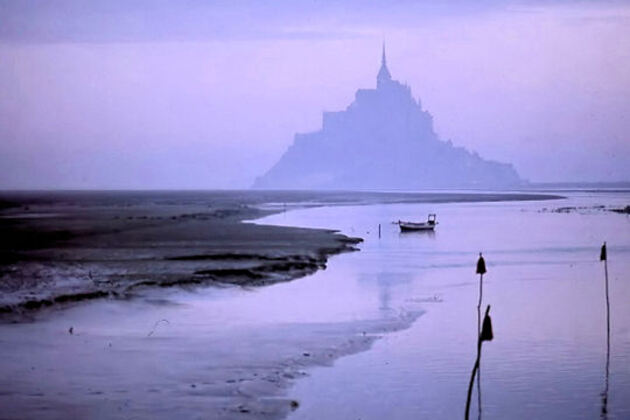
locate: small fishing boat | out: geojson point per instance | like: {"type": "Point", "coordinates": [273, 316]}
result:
{"type": "Point", "coordinates": [429, 225]}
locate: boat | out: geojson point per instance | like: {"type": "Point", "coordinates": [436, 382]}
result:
{"type": "Point", "coordinates": [429, 225]}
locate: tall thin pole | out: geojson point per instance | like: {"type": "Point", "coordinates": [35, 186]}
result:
{"type": "Point", "coordinates": [607, 302]}
{"type": "Point", "coordinates": [481, 270]}
{"type": "Point", "coordinates": [479, 304]}
{"type": "Point", "coordinates": [479, 350]}
{"type": "Point", "coordinates": [604, 257]}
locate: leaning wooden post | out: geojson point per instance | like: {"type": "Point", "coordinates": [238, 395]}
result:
{"type": "Point", "coordinates": [486, 335]}
{"type": "Point", "coordinates": [604, 257]}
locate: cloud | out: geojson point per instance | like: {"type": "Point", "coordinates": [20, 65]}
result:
{"type": "Point", "coordinates": [65, 21]}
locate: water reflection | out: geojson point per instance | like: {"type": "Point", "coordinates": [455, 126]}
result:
{"type": "Point", "coordinates": [386, 282]}
{"type": "Point", "coordinates": [417, 233]}
{"type": "Point", "coordinates": [485, 335]}
{"type": "Point", "coordinates": [604, 413]}
{"type": "Point", "coordinates": [384, 293]}
{"type": "Point", "coordinates": [479, 391]}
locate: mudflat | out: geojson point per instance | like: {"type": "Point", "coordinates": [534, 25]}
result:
{"type": "Point", "coordinates": [60, 247]}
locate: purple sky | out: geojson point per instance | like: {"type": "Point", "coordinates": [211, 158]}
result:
{"type": "Point", "coordinates": [195, 94]}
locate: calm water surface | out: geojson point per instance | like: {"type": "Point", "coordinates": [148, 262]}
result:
{"type": "Point", "coordinates": [546, 288]}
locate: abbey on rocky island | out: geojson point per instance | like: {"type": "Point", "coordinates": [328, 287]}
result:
{"type": "Point", "coordinates": [384, 140]}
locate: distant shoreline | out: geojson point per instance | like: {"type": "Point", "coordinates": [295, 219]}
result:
{"type": "Point", "coordinates": [577, 187]}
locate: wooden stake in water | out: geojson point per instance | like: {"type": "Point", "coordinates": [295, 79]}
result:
{"type": "Point", "coordinates": [481, 270]}
{"type": "Point", "coordinates": [604, 257]}
{"type": "Point", "coordinates": [379, 230]}
{"type": "Point", "coordinates": [486, 335]}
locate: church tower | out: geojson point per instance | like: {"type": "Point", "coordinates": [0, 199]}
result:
{"type": "Point", "coordinates": [383, 76]}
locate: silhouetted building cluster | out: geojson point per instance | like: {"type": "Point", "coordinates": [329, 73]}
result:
{"type": "Point", "coordinates": [383, 140]}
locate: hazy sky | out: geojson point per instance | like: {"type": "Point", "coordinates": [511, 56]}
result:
{"type": "Point", "coordinates": [202, 94]}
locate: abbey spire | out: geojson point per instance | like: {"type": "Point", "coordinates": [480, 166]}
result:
{"type": "Point", "coordinates": [383, 74]}
{"type": "Point", "coordinates": [383, 58]}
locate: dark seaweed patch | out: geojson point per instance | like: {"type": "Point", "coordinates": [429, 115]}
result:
{"type": "Point", "coordinates": [234, 257]}
{"type": "Point", "coordinates": [231, 272]}
{"type": "Point", "coordinates": [41, 303]}
{"type": "Point", "coordinates": [624, 210]}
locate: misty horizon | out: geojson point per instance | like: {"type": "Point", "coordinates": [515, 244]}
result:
{"type": "Point", "coordinates": [198, 96]}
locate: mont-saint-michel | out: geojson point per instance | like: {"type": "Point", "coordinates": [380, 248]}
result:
{"type": "Point", "coordinates": [383, 140]}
